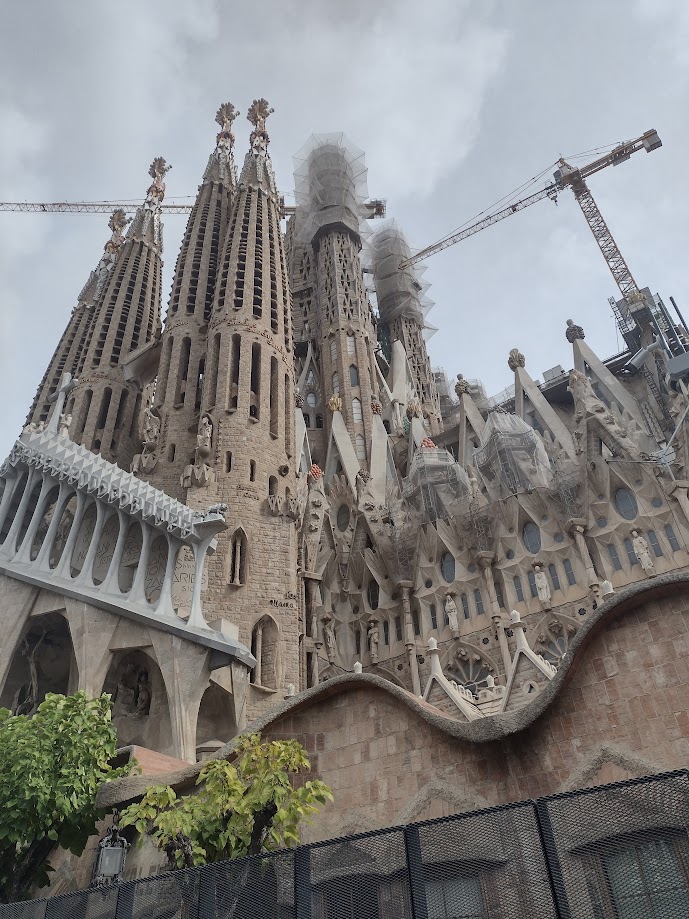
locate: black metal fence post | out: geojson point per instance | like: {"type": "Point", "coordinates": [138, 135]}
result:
{"type": "Point", "coordinates": [302, 883]}
{"type": "Point", "coordinates": [207, 892]}
{"type": "Point", "coordinates": [412, 846]}
{"type": "Point", "coordinates": [552, 859]}
{"type": "Point", "coordinates": [125, 901]}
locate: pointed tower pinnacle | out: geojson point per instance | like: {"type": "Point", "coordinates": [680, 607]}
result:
{"type": "Point", "coordinates": [124, 316]}
{"type": "Point", "coordinates": [74, 338]}
{"type": "Point", "coordinates": [185, 337]}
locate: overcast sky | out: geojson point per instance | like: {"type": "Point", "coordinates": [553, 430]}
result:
{"type": "Point", "coordinates": [456, 103]}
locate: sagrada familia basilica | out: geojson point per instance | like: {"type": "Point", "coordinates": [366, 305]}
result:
{"type": "Point", "coordinates": [269, 511]}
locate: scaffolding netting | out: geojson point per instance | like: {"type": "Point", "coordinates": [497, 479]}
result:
{"type": "Point", "coordinates": [401, 292]}
{"type": "Point", "coordinates": [330, 186]}
{"type": "Point", "coordinates": [512, 457]}
{"type": "Point", "coordinates": [437, 486]}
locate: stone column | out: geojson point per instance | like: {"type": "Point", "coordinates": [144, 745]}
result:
{"type": "Point", "coordinates": [196, 619]}
{"type": "Point", "coordinates": [12, 480]}
{"type": "Point", "coordinates": [164, 606]}
{"type": "Point", "coordinates": [485, 560]}
{"type": "Point", "coordinates": [138, 592]}
{"type": "Point", "coordinates": [258, 653]}
{"type": "Point", "coordinates": [9, 546]}
{"type": "Point", "coordinates": [111, 582]}
{"type": "Point", "coordinates": [63, 497]}
{"type": "Point", "coordinates": [577, 527]}
{"type": "Point", "coordinates": [409, 640]}
{"type": "Point", "coordinates": [24, 550]}
{"type": "Point", "coordinates": [678, 490]}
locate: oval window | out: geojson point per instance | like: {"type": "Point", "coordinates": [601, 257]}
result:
{"type": "Point", "coordinates": [447, 567]}
{"type": "Point", "coordinates": [531, 537]}
{"type": "Point", "coordinates": [311, 399]}
{"type": "Point", "coordinates": [625, 504]}
{"type": "Point", "coordinates": [342, 518]}
{"type": "Point", "coordinates": [373, 594]}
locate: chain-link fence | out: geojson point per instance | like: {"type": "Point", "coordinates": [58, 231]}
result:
{"type": "Point", "coordinates": [617, 851]}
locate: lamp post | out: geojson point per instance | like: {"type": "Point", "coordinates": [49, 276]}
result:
{"type": "Point", "coordinates": [112, 852]}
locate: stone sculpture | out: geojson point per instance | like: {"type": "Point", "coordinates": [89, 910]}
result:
{"type": "Point", "coordinates": [451, 612]}
{"type": "Point", "coordinates": [515, 359]}
{"type": "Point", "coordinates": [641, 549]}
{"type": "Point", "coordinates": [573, 332]}
{"type": "Point", "coordinates": [329, 637]}
{"type": "Point", "coordinates": [373, 639]}
{"type": "Point", "coordinates": [542, 586]}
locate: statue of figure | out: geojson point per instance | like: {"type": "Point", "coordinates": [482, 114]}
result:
{"type": "Point", "coordinates": [373, 639]}
{"type": "Point", "coordinates": [185, 478]}
{"type": "Point", "coordinates": [205, 435]}
{"type": "Point", "coordinates": [143, 696]}
{"type": "Point", "coordinates": [542, 586]}
{"type": "Point", "coordinates": [329, 637]}
{"type": "Point", "coordinates": [474, 485]}
{"type": "Point", "coordinates": [641, 549]}
{"type": "Point", "coordinates": [573, 332]}
{"type": "Point", "coordinates": [451, 612]}
{"type": "Point", "coordinates": [516, 359]}
{"type": "Point", "coordinates": [64, 424]}
{"type": "Point", "coordinates": [151, 427]}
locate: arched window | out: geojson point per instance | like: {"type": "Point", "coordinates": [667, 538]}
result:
{"type": "Point", "coordinates": [360, 447]}
{"type": "Point", "coordinates": [357, 417]}
{"type": "Point", "coordinates": [353, 375]}
{"type": "Point", "coordinates": [447, 567]}
{"type": "Point", "coordinates": [333, 350]}
{"type": "Point", "coordinates": [307, 419]}
{"type": "Point", "coordinates": [319, 421]}
{"type": "Point", "coordinates": [311, 377]}
{"type": "Point", "coordinates": [531, 575]}
{"type": "Point", "coordinates": [625, 504]}
{"type": "Point", "coordinates": [569, 572]}
{"type": "Point", "coordinates": [252, 471]}
{"type": "Point", "coordinates": [655, 545]}
{"type": "Point", "coordinates": [386, 632]}
{"type": "Point", "coordinates": [614, 558]}
{"type": "Point", "coordinates": [351, 344]}
{"type": "Point", "coordinates": [498, 594]}
{"type": "Point", "coordinates": [631, 554]}
{"type": "Point", "coordinates": [531, 537]}
{"type": "Point", "coordinates": [264, 647]}
{"type": "Point", "coordinates": [171, 453]}
{"type": "Point", "coordinates": [373, 593]}
{"type": "Point", "coordinates": [342, 517]}
{"type": "Point", "coordinates": [183, 371]}
{"type": "Point", "coordinates": [415, 621]}
{"type": "Point", "coordinates": [434, 617]}
{"type": "Point", "coordinates": [671, 538]}
{"type": "Point", "coordinates": [517, 581]}
{"type": "Point", "coordinates": [479, 601]}
{"type": "Point", "coordinates": [554, 578]}
{"type": "Point", "coordinates": [465, 605]}
{"type": "Point", "coordinates": [398, 628]}
{"type": "Point", "coordinates": [239, 558]}
{"type": "Point", "coordinates": [272, 485]}
{"type": "Point", "coordinates": [336, 384]}
{"type": "Point", "coordinates": [228, 461]}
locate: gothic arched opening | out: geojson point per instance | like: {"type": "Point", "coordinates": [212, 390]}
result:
{"type": "Point", "coordinates": [238, 558]}
{"type": "Point", "coordinates": [83, 540]}
{"type": "Point", "coordinates": [130, 557]}
{"type": "Point", "coordinates": [216, 722]}
{"type": "Point", "coordinates": [106, 549]}
{"type": "Point", "coordinates": [14, 505]}
{"type": "Point", "coordinates": [28, 513]}
{"type": "Point", "coordinates": [43, 662]}
{"type": "Point", "coordinates": [140, 708]}
{"type": "Point", "coordinates": [183, 582]}
{"type": "Point", "coordinates": [155, 569]}
{"type": "Point", "coordinates": [62, 533]}
{"type": "Point", "coordinates": [265, 647]}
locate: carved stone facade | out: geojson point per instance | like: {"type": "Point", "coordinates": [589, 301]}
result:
{"type": "Point", "coordinates": [297, 509]}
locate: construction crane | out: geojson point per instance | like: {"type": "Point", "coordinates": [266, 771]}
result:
{"type": "Point", "coordinates": [573, 177]}
{"type": "Point", "coordinates": [374, 208]}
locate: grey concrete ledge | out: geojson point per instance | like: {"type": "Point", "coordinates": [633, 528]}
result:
{"type": "Point", "coordinates": [484, 730]}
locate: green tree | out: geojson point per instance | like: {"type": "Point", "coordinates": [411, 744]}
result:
{"type": "Point", "coordinates": [51, 766]}
{"type": "Point", "coordinates": [244, 807]}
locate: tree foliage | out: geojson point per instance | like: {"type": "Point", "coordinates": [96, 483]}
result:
{"type": "Point", "coordinates": [243, 807]}
{"type": "Point", "coordinates": [51, 766]}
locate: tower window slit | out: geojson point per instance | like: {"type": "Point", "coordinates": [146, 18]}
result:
{"type": "Point", "coordinates": [104, 409]}
{"type": "Point", "coordinates": [120, 410]}
{"type": "Point", "coordinates": [183, 373]}
{"type": "Point", "coordinates": [274, 397]}
{"type": "Point", "coordinates": [234, 370]}
{"type": "Point", "coordinates": [212, 394]}
{"type": "Point", "coordinates": [255, 403]}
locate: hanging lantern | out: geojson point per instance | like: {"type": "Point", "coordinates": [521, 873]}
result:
{"type": "Point", "coordinates": [112, 852]}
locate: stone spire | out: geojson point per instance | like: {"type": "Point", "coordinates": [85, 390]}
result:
{"type": "Point", "coordinates": [185, 337]}
{"type": "Point", "coordinates": [244, 437]}
{"type": "Point", "coordinates": [123, 317]}
{"type": "Point", "coordinates": [71, 346]}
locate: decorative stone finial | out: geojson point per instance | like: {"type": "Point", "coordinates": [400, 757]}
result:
{"type": "Point", "coordinates": [258, 112]}
{"type": "Point", "coordinates": [427, 444]}
{"type": "Point", "coordinates": [335, 404]}
{"type": "Point", "coordinates": [157, 171]}
{"type": "Point", "coordinates": [298, 399]}
{"type": "Point", "coordinates": [358, 668]}
{"type": "Point", "coordinates": [118, 221]}
{"type": "Point", "coordinates": [573, 332]}
{"type": "Point", "coordinates": [516, 359]}
{"type": "Point", "coordinates": [515, 616]}
{"type": "Point", "coordinates": [315, 472]}
{"type": "Point", "coordinates": [461, 386]}
{"type": "Point", "coordinates": [225, 117]}
{"type": "Point", "coordinates": [413, 409]}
